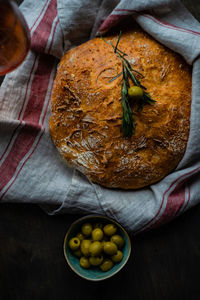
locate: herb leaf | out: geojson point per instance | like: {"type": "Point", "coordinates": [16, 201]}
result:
{"type": "Point", "coordinates": [128, 123]}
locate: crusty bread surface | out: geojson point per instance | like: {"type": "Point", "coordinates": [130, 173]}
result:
{"type": "Point", "coordinates": [87, 113]}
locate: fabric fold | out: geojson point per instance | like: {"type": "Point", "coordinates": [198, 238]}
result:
{"type": "Point", "coordinates": [31, 169]}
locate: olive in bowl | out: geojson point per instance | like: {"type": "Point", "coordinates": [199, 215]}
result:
{"type": "Point", "coordinates": [96, 247]}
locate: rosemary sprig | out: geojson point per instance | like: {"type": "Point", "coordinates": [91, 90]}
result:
{"type": "Point", "coordinates": [128, 123]}
{"type": "Point", "coordinates": [119, 37]}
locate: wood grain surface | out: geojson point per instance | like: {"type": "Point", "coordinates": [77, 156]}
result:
{"type": "Point", "coordinates": [165, 263]}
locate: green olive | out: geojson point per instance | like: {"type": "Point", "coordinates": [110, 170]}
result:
{"type": "Point", "coordinates": [110, 229]}
{"type": "Point", "coordinates": [106, 265]}
{"type": "Point", "coordinates": [80, 236]}
{"type": "Point", "coordinates": [96, 260]}
{"type": "Point", "coordinates": [77, 253]}
{"type": "Point", "coordinates": [84, 262]}
{"type": "Point", "coordinates": [97, 234]}
{"type": "Point", "coordinates": [110, 248]}
{"type": "Point", "coordinates": [86, 229]}
{"type": "Point", "coordinates": [135, 92]}
{"type": "Point", "coordinates": [95, 248]}
{"type": "Point", "coordinates": [117, 257]}
{"type": "Point", "coordinates": [118, 240]}
{"type": "Point", "coordinates": [74, 243]}
{"type": "Point", "coordinates": [103, 242]}
{"type": "Point", "coordinates": [85, 245]}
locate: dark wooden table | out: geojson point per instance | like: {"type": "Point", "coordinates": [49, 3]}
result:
{"type": "Point", "coordinates": [165, 263]}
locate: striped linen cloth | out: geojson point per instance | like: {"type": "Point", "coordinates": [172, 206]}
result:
{"type": "Point", "coordinates": [30, 168]}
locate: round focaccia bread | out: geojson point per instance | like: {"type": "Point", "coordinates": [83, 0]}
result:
{"type": "Point", "coordinates": [86, 118]}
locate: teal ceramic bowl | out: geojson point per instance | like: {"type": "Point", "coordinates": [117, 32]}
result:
{"type": "Point", "coordinates": [94, 273]}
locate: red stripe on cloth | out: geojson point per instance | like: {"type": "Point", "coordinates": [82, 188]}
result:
{"type": "Point", "coordinates": [41, 35]}
{"type": "Point", "coordinates": [22, 165]}
{"type": "Point", "coordinates": [27, 85]}
{"type": "Point", "coordinates": [130, 11]}
{"type": "Point", "coordinates": [110, 21]}
{"type": "Point", "coordinates": [28, 134]}
{"type": "Point", "coordinates": [175, 202]}
{"type": "Point", "coordinates": [39, 88]}
{"type": "Point", "coordinates": [164, 194]}
{"type": "Point", "coordinates": [39, 15]}
{"type": "Point", "coordinates": [21, 146]}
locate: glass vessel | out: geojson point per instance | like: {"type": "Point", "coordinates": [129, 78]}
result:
{"type": "Point", "coordinates": [14, 37]}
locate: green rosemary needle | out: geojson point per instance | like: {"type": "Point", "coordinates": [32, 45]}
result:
{"type": "Point", "coordinates": [128, 123]}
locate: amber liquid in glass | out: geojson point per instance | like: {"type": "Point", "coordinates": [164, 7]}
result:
{"type": "Point", "coordinates": [14, 37]}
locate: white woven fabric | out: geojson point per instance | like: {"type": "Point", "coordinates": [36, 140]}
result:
{"type": "Point", "coordinates": [30, 168]}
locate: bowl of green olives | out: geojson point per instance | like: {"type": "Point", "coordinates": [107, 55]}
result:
{"type": "Point", "coordinates": [96, 247]}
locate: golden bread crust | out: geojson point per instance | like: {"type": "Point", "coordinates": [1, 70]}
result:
{"type": "Point", "coordinates": [87, 113]}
